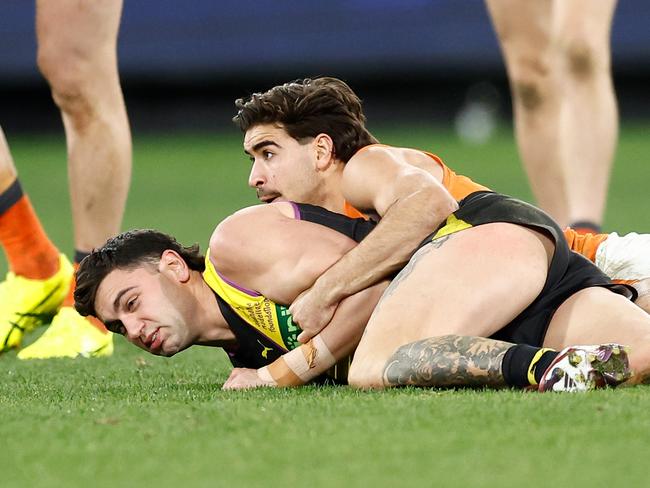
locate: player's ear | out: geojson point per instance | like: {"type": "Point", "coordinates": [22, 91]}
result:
{"type": "Point", "coordinates": [172, 264]}
{"type": "Point", "coordinates": [324, 150]}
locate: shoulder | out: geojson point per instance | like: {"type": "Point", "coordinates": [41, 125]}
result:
{"type": "Point", "coordinates": [376, 176]}
{"type": "Point", "coordinates": [245, 234]}
{"type": "Point", "coordinates": [378, 163]}
{"type": "Point", "coordinates": [249, 219]}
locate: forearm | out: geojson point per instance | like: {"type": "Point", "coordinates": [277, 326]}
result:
{"type": "Point", "coordinates": [337, 341]}
{"type": "Point", "coordinates": [389, 247]}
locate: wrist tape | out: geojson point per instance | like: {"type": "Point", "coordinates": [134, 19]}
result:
{"type": "Point", "coordinates": [300, 365]}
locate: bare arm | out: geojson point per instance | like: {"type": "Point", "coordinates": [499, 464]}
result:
{"type": "Point", "coordinates": [411, 202]}
{"type": "Point", "coordinates": [266, 250]}
{"type": "Point", "coordinates": [340, 337]}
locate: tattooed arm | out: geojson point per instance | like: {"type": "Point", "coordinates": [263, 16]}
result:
{"type": "Point", "coordinates": [447, 361]}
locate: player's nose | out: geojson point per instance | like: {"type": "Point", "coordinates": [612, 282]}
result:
{"type": "Point", "coordinates": [257, 178]}
{"type": "Point", "coordinates": [133, 328]}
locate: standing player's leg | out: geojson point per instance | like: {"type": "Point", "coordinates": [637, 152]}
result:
{"type": "Point", "coordinates": [460, 285]}
{"type": "Point", "coordinates": [80, 64]}
{"type": "Point", "coordinates": [38, 278]}
{"type": "Point", "coordinates": [525, 33]}
{"type": "Point", "coordinates": [589, 117]}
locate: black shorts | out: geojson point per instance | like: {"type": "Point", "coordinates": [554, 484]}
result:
{"type": "Point", "coordinates": [568, 273]}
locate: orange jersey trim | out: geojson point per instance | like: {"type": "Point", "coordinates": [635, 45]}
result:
{"type": "Point", "coordinates": [585, 244]}
{"type": "Point", "coordinates": [458, 185]}
{"type": "Point", "coordinates": [350, 211]}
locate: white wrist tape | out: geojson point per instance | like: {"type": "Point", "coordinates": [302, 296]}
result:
{"type": "Point", "coordinates": [297, 363]}
{"type": "Point", "coordinates": [265, 375]}
{"type": "Point", "coordinates": [310, 360]}
{"type": "Point", "coordinates": [324, 358]}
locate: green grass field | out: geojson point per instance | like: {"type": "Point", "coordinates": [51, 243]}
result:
{"type": "Point", "coordinates": [137, 420]}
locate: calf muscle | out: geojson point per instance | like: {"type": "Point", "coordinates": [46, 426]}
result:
{"type": "Point", "coordinates": [447, 361]}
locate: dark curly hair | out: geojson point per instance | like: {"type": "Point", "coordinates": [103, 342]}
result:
{"type": "Point", "coordinates": [128, 250]}
{"type": "Point", "coordinates": [308, 107]}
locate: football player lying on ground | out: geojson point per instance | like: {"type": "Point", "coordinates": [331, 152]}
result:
{"type": "Point", "coordinates": [285, 125]}
{"type": "Point", "coordinates": [165, 298]}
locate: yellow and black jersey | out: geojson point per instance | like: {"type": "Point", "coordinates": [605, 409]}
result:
{"type": "Point", "coordinates": [264, 329]}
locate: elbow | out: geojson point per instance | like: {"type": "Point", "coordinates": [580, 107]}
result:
{"type": "Point", "coordinates": [440, 203]}
{"type": "Point", "coordinates": [447, 204]}
{"type": "Point", "coordinates": [446, 208]}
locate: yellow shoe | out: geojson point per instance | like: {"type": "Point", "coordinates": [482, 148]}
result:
{"type": "Point", "coordinates": [26, 304]}
{"type": "Point", "coordinates": [70, 336]}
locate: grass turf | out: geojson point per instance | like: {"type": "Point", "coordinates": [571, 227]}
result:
{"type": "Point", "coordinates": [138, 420]}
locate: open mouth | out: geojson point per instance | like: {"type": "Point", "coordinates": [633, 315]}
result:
{"type": "Point", "coordinates": [155, 340]}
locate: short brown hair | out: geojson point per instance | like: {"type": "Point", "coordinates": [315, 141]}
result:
{"type": "Point", "coordinates": [308, 107]}
{"type": "Point", "coordinates": [128, 250]}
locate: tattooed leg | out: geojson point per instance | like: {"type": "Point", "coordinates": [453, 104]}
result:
{"type": "Point", "coordinates": [448, 361]}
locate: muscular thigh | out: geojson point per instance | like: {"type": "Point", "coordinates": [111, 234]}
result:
{"type": "Point", "coordinates": [523, 27]}
{"type": "Point", "coordinates": [584, 19]}
{"type": "Point", "coordinates": [596, 315]}
{"type": "Point", "coordinates": [90, 26]}
{"type": "Point", "coordinates": [470, 283]}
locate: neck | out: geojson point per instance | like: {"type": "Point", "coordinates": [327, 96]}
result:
{"type": "Point", "coordinates": [213, 330]}
{"type": "Point", "coordinates": [329, 195]}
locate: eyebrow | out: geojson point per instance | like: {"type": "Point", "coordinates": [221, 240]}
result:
{"type": "Point", "coordinates": [260, 145]}
{"type": "Point", "coordinates": [116, 302]}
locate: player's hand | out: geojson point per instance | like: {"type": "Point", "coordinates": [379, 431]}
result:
{"type": "Point", "coordinates": [312, 312]}
{"type": "Point", "coordinates": [244, 378]}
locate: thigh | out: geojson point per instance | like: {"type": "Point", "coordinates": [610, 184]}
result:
{"type": "Point", "coordinates": [471, 283]}
{"type": "Point", "coordinates": [584, 19]}
{"type": "Point", "coordinates": [91, 28]}
{"type": "Point", "coordinates": [522, 27]}
{"type": "Point", "coordinates": [594, 316]}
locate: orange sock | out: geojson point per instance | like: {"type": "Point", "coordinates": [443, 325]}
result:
{"type": "Point", "coordinates": [69, 302]}
{"type": "Point", "coordinates": [29, 251]}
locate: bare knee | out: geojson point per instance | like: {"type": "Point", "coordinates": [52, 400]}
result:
{"type": "Point", "coordinates": [70, 76]}
{"type": "Point", "coordinates": [531, 83]}
{"type": "Point", "coordinates": [580, 60]}
{"type": "Point", "coordinates": [585, 60]}
{"type": "Point", "coordinates": [364, 376]}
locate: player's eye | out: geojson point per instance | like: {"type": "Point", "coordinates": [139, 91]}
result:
{"type": "Point", "coordinates": [267, 154]}
{"type": "Point", "coordinates": [130, 305]}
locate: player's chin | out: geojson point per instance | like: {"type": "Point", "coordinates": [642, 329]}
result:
{"type": "Point", "coordinates": [169, 348]}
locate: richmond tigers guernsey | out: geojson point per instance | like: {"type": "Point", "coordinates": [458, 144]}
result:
{"type": "Point", "coordinates": [264, 329]}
